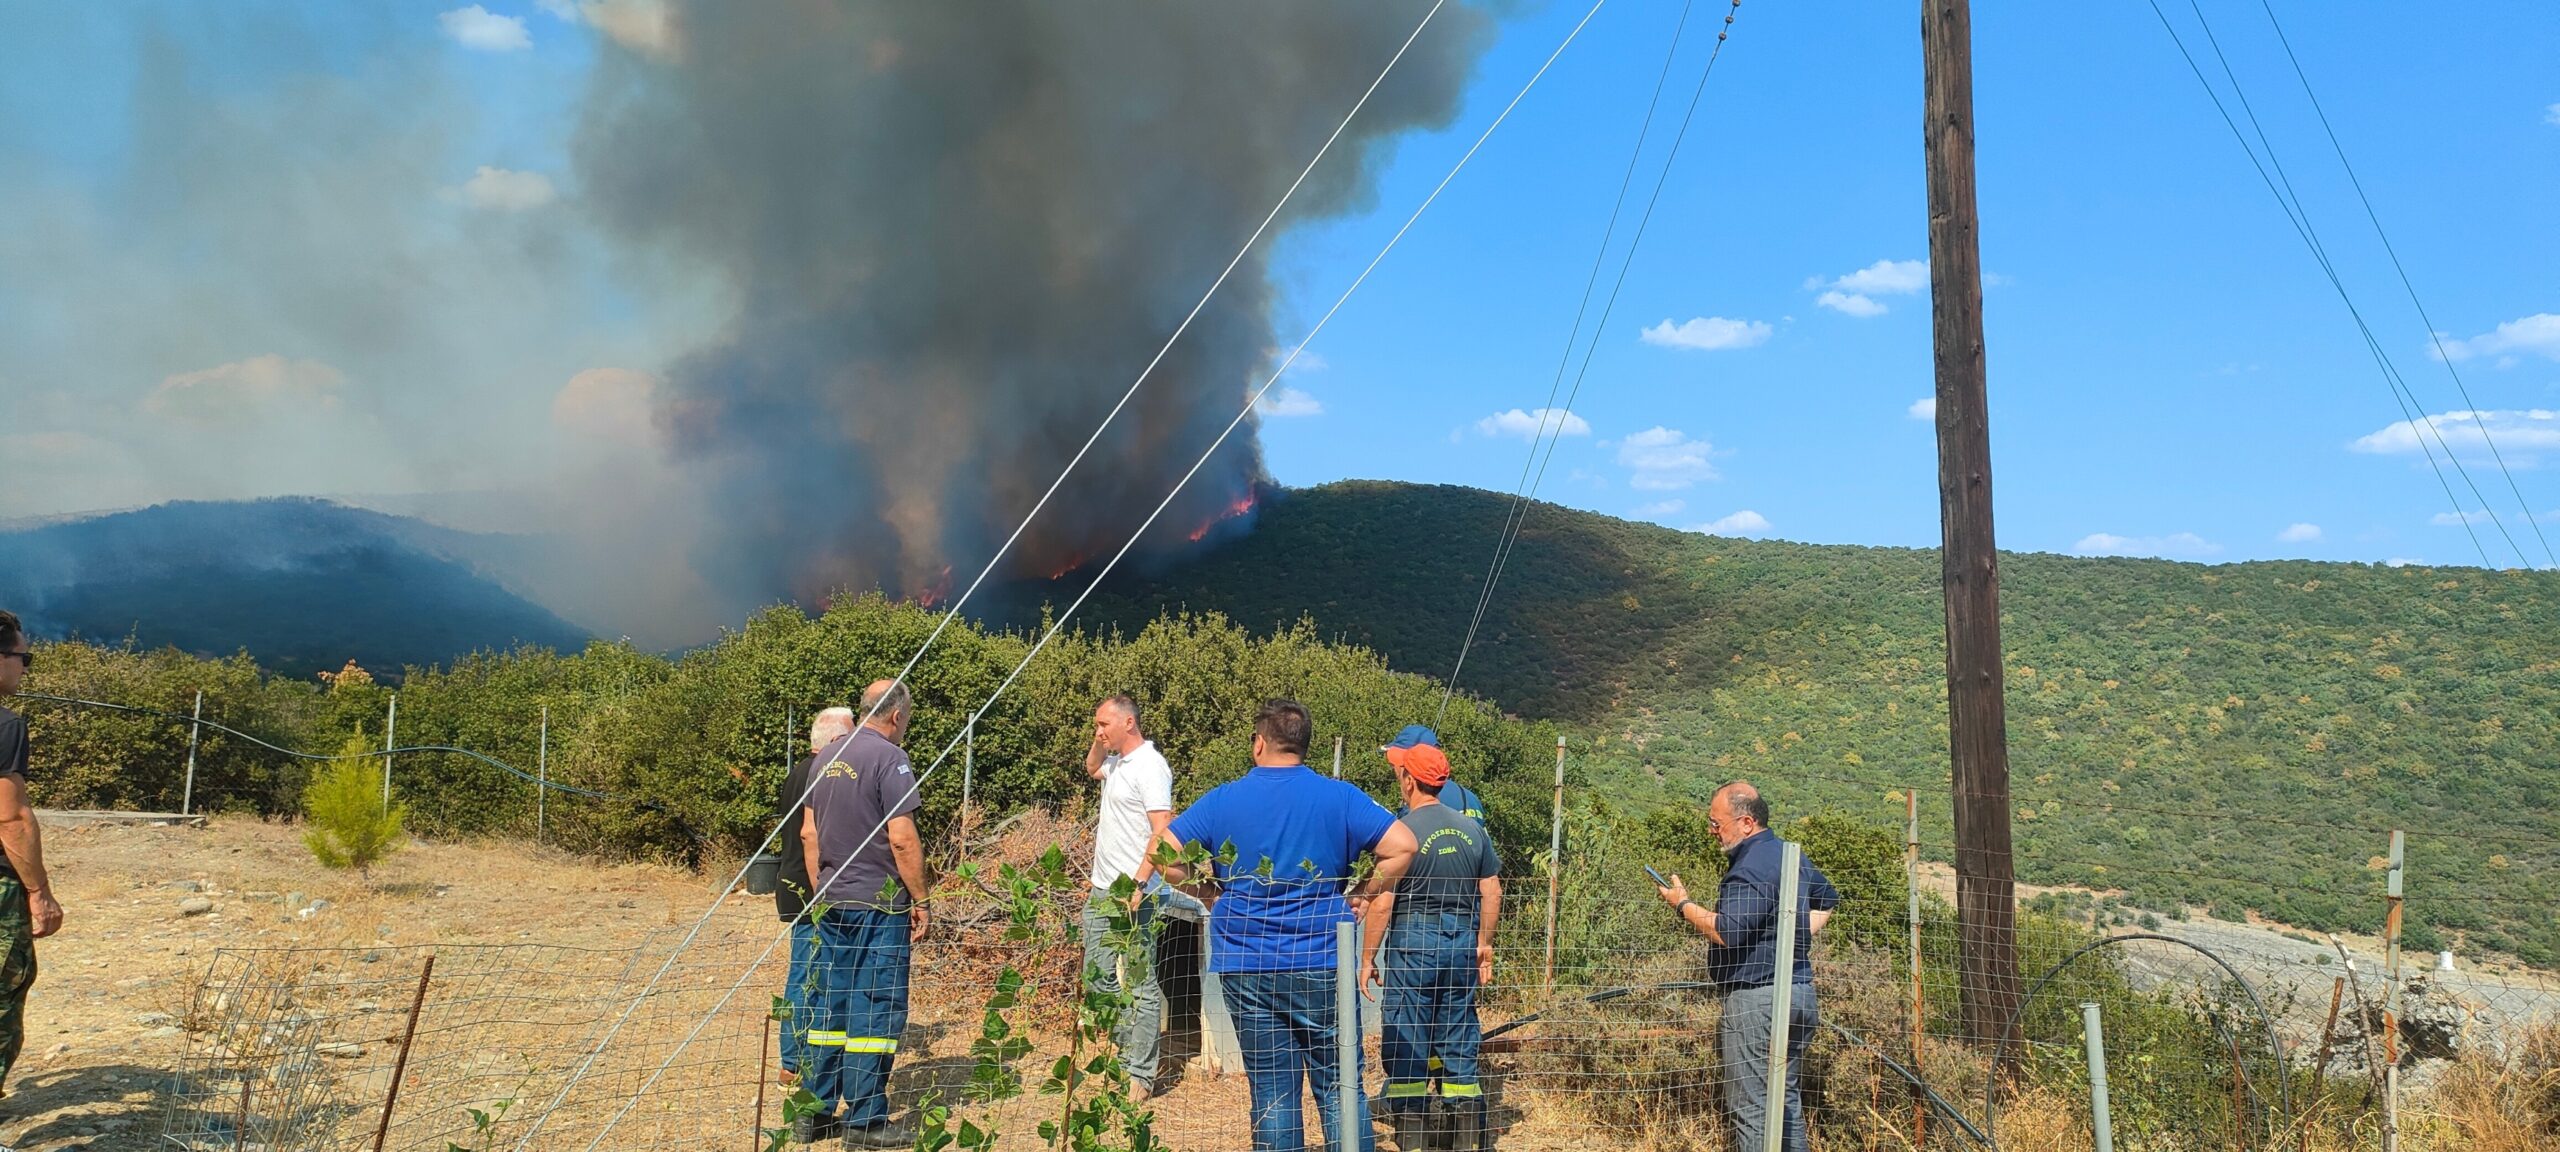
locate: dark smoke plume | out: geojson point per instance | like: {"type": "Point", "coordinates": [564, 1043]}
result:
{"type": "Point", "coordinates": [955, 231]}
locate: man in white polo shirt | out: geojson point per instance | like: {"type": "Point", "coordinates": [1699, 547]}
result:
{"type": "Point", "coordinates": [1136, 807]}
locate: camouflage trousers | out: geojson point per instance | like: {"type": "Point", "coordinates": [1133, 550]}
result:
{"type": "Point", "coordinates": [17, 972]}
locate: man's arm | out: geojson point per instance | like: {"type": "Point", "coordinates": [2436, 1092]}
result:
{"type": "Point", "coordinates": [1093, 757]}
{"type": "Point", "coordinates": [1373, 932]}
{"type": "Point", "coordinates": [1395, 852]}
{"type": "Point", "coordinates": [809, 851]}
{"type": "Point", "coordinates": [1691, 913]}
{"type": "Point", "coordinates": [1160, 823]}
{"type": "Point", "coordinates": [1821, 916]}
{"type": "Point", "coordinates": [907, 849]}
{"type": "Point", "coordinates": [1488, 913]}
{"type": "Point", "coordinates": [24, 843]}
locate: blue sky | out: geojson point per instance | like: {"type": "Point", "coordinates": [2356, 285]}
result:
{"type": "Point", "coordinates": [2170, 373]}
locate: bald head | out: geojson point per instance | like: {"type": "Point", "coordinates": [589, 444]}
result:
{"type": "Point", "coordinates": [886, 706]}
{"type": "Point", "coordinates": [1737, 813]}
{"type": "Point", "coordinates": [829, 726]}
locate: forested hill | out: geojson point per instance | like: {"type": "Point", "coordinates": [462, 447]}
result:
{"type": "Point", "coordinates": [2228, 736]}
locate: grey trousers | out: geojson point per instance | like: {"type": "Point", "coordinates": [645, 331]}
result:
{"type": "Point", "coordinates": [1742, 1042]}
{"type": "Point", "coordinates": [1141, 1028]}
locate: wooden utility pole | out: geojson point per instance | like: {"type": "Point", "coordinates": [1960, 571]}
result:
{"type": "Point", "coordinates": [1977, 727]}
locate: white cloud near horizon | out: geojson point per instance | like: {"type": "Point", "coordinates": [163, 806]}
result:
{"type": "Point", "coordinates": [234, 389]}
{"type": "Point", "coordinates": [1742, 523]}
{"type": "Point", "coordinates": [1708, 334]}
{"type": "Point", "coordinates": [1661, 508]}
{"type": "Point", "coordinates": [2518, 433]}
{"type": "Point", "coordinates": [2299, 533]}
{"type": "Point", "coordinates": [1855, 294]}
{"type": "Point", "coordinates": [1924, 408]}
{"type": "Point", "coordinates": [504, 190]}
{"type": "Point", "coordinates": [481, 30]}
{"type": "Point", "coordinates": [2174, 546]}
{"type": "Point", "coordinates": [2458, 519]}
{"type": "Point", "coordinates": [1531, 425]}
{"type": "Point", "coordinates": [1663, 459]}
{"type": "Point", "coordinates": [2538, 334]}
{"type": "Point", "coordinates": [2403, 562]}
{"type": "Point", "coordinates": [1286, 402]}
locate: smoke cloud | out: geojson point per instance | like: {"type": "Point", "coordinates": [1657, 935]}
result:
{"type": "Point", "coordinates": [954, 233]}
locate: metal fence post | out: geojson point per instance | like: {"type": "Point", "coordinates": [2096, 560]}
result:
{"type": "Point", "coordinates": [1555, 867]}
{"type": "Point", "coordinates": [1919, 1012]}
{"type": "Point", "coordinates": [1337, 757]}
{"type": "Point", "coordinates": [542, 775]}
{"type": "Point", "coordinates": [195, 728]}
{"type": "Point", "coordinates": [2391, 995]}
{"type": "Point", "coordinates": [390, 723]}
{"type": "Point", "coordinates": [1346, 1035]}
{"type": "Point", "coordinates": [969, 779]}
{"type": "Point", "coordinates": [1782, 995]}
{"type": "Point", "coordinates": [2099, 1115]}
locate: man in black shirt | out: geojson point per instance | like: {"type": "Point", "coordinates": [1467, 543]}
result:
{"type": "Point", "coordinates": [28, 912]}
{"type": "Point", "coordinates": [791, 894]}
{"type": "Point", "coordinates": [1436, 926]}
{"type": "Point", "coordinates": [1742, 960]}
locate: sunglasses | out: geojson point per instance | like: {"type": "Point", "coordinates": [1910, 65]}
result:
{"type": "Point", "coordinates": [26, 660]}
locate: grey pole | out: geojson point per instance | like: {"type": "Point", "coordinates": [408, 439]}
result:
{"type": "Point", "coordinates": [2099, 1115]}
{"type": "Point", "coordinates": [969, 779]}
{"type": "Point", "coordinates": [187, 798]}
{"type": "Point", "coordinates": [1782, 995]}
{"type": "Point", "coordinates": [1346, 1034]}
{"type": "Point", "coordinates": [1337, 757]}
{"type": "Point", "coordinates": [390, 723]}
{"type": "Point", "coordinates": [2391, 920]}
{"type": "Point", "coordinates": [541, 774]}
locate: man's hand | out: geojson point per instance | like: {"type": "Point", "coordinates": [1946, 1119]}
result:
{"type": "Point", "coordinates": [1484, 965]}
{"type": "Point", "coordinates": [916, 923]}
{"type": "Point", "coordinates": [46, 912]}
{"type": "Point", "coordinates": [1675, 893]}
{"type": "Point", "coordinates": [1368, 973]}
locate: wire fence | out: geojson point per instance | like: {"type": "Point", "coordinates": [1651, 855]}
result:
{"type": "Point", "coordinates": [1602, 1030]}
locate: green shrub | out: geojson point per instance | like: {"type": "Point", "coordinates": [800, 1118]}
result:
{"type": "Point", "coordinates": [350, 827]}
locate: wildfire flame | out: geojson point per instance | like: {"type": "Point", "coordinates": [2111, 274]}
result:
{"type": "Point", "coordinates": [1239, 508]}
{"type": "Point", "coordinates": [934, 596]}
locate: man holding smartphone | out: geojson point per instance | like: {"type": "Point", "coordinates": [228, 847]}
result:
{"type": "Point", "coordinates": [1742, 960]}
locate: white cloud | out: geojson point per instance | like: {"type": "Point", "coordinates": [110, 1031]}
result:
{"type": "Point", "coordinates": [2458, 519]}
{"type": "Point", "coordinates": [2551, 115]}
{"type": "Point", "coordinates": [2518, 434]}
{"type": "Point", "coordinates": [1282, 402]}
{"type": "Point", "coordinates": [1855, 294]}
{"type": "Point", "coordinates": [2402, 562]}
{"type": "Point", "coordinates": [1665, 460]}
{"type": "Point", "coordinates": [1660, 509]}
{"type": "Point", "coordinates": [559, 9]}
{"type": "Point", "coordinates": [1531, 425]}
{"type": "Point", "coordinates": [1924, 408]}
{"type": "Point", "coordinates": [481, 30]}
{"type": "Point", "coordinates": [2538, 334]}
{"type": "Point", "coordinates": [1850, 303]}
{"type": "Point", "coordinates": [2176, 545]}
{"type": "Point", "coordinates": [2299, 533]}
{"type": "Point", "coordinates": [1708, 334]}
{"type": "Point", "coordinates": [501, 190]}
{"type": "Point", "coordinates": [232, 390]}
{"type": "Point", "coordinates": [1743, 523]}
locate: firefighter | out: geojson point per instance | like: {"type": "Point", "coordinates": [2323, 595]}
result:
{"type": "Point", "coordinates": [1435, 930]}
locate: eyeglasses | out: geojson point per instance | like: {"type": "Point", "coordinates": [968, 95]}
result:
{"type": "Point", "coordinates": [26, 660]}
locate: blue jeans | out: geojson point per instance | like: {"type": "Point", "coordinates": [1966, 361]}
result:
{"type": "Point", "coordinates": [1285, 1022]}
{"type": "Point", "coordinates": [1429, 970]}
{"type": "Point", "coordinates": [862, 975]}
{"type": "Point", "coordinates": [1142, 1024]}
{"type": "Point", "coordinates": [800, 996]}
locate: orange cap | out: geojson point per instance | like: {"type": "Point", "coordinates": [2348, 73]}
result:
{"type": "Point", "coordinates": [1427, 764]}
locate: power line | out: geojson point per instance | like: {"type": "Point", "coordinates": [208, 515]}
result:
{"type": "Point", "coordinates": [1502, 554]}
{"type": "Point", "coordinates": [2437, 338]}
{"type": "Point", "coordinates": [1519, 491]}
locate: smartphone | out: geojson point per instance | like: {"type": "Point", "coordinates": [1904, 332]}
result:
{"type": "Point", "coordinates": [1658, 881]}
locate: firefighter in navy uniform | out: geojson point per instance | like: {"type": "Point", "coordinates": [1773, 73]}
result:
{"type": "Point", "coordinates": [1435, 931]}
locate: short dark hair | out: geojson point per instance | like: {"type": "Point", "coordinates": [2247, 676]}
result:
{"type": "Point", "coordinates": [1430, 789]}
{"type": "Point", "coordinates": [887, 699]}
{"type": "Point", "coordinates": [1128, 706]}
{"type": "Point", "coordinates": [1747, 801]}
{"type": "Point", "coordinates": [10, 629]}
{"type": "Point", "coordinates": [1283, 725]}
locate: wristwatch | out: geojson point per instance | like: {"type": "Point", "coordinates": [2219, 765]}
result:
{"type": "Point", "coordinates": [1682, 908]}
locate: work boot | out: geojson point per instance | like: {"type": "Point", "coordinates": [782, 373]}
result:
{"type": "Point", "coordinates": [814, 1127]}
{"type": "Point", "coordinates": [1466, 1128]}
{"type": "Point", "coordinates": [1426, 1128]}
{"type": "Point", "coordinates": [881, 1135]}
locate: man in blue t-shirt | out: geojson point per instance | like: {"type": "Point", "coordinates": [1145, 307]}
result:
{"type": "Point", "coordinates": [1742, 960]}
{"type": "Point", "coordinates": [1286, 840]}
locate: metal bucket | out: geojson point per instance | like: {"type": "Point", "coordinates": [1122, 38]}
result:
{"type": "Point", "coordinates": [764, 874]}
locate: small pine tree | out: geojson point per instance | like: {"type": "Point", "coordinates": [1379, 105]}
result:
{"type": "Point", "coordinates": [349, 827]}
